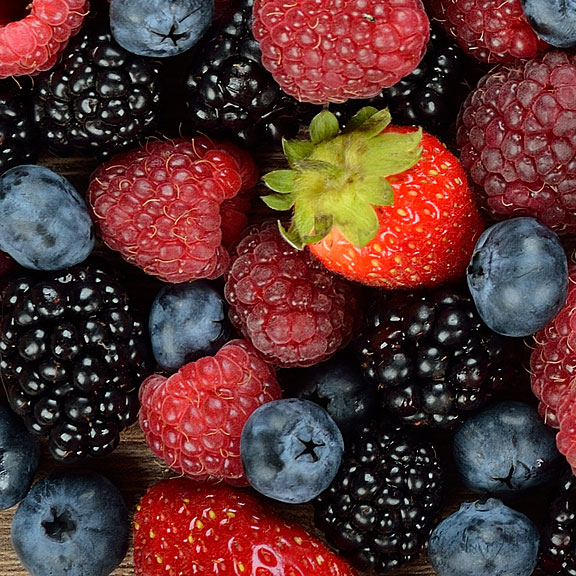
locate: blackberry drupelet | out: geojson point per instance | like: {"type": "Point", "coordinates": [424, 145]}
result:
{"type": "Point", "coordinates": [385, 499]}
{"type": "Point", "coordinates": [72, 356]}
{"type": "Point", "coordinates": [433, 358]}
{"type": "Point", "coordinates": [430, 96]}
{"type": "Point", "coordinates": [99, 98]}
{"type": "Point", "coordinates": [558, 533]}
{"type": "Point", "coordinates": [230, 94]}
{"type": "Point", "coordinates": [18, 141]}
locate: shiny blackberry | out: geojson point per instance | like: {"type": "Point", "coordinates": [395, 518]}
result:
{"type": "Point", "coordinates": [558, 532]}
{"type": "Point", "coordinates": [98, 99]}
{"type": "Point", "coordinates": [72, 356]}
{"type": "Point", "coordinates": [385, 499]}
{"type": "Point", "coordinates": [433, 358]}
{"type": "Point", "coordinates": [18, 139]}
{"type": "Point", "coordinates": [230, 94]}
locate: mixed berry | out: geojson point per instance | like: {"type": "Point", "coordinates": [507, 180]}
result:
{"type": "Point", "coordinates": [305, 270]}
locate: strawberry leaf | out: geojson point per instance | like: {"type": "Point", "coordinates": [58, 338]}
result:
{"type": "Point", "coordinates": [296, 150]}
{"type": "Point", "coordinates": [375, 123]}
{"type": "Point", "coordinates": [281, 181]}
{"type": "Point", "coordinates": [360, 117]}
{"type": "Point", "coordinates": [291, 236]}
{"type": "Point", "coordinates": [376, 191]}
{"type": "Point", "coordinates": [279, 202]}
{"type": "Point", "coordinates": [324, 126]}
{"type": "Point", "coordinates": [358, 225]}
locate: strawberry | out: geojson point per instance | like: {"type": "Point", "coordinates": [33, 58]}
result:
{"type": "Point", "coordinates": [182, 527]}
{"type": "Point", "coordinates": [381, 205]}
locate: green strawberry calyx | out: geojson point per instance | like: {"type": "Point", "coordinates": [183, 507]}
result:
{"type": "Point", "coordinates": [339, 176]}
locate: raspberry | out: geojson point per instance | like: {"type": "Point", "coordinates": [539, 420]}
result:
{"type": "Point", "coordinates": [323, 51]}
{"type": "Point", "coordinates": [489, 30]}
{"type": "Point", "coordinates": [171, 207]}
{"type": "Point", "coordinates": [517, 138]}
{"type": "Point", "coordinates": [31, 40]}
{"type": "Point", "coordinates": [193, 419]}
{"type": "Point", "coordinates": [286, 303]}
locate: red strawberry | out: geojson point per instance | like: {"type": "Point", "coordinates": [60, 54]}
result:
{"type": "Point", "coordinates": [332, 50]}
{"type": "Point", "coordinates": [488, 30]}
{"type": "Point", "coordinates": [172, 207]}
{"type": "Point", "coordinates": [32, 38]}
{"type": "Point", "coordinates": [183, 528]}
{"type": "Point", "coordinates": [193, 419]}
{"type": "Point", "coordinates": [381, 205]}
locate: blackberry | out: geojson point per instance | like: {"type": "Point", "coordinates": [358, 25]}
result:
{"type": "Point", "coordinates": [18, 141]}
{"type": "Point", "coordinates": [384, 501]}
{"type": "Point", "coordinates": [72, 356]}
{"type": "Point", "coordinates": [98, 99]}
{"type": "Point", "coordinates": [558, 532]}
{"type": "Point", "coordinates": [230, 94]}
{"type": "Point", "coordinates": [430, 96]}
{"type": "Point", "coordinates": [432, 357]}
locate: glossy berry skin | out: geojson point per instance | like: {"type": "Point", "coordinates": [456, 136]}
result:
{"type": "Point", "coordinates": [291, 450]}
{"type": "Point", "coordinates": [338, 385]}
{"type": "Point", "coordinates": [293, 311]}
{"type": "Point", "coordinates": [31, 40]}
{"type": "Point", "coordinates": [515, 133]}
{"type": "Point", "coordinates": [46, 224]}
{"type": "Point", "coordinates": [73, 524]}
{"type": "Point", "coordinates": [230, 94]}
{"type": "Point", "coordinates": [425, 237]}
{"type": "Point", "coordinates": [526, 458]}
{"type": "Point", "coordinates": [180, 523]}
{"type": "Point", "coordinates": [489, 31]}
{"type": "Point", "coordinates": [160, 28]}
{"type": "Point", "coordinates": [98, 99]}
{"type": "Point", "coordinates": [172, 206]}
{"type": "Point", "coordinates": [484, 537]}
{"type": "Point", "coordinates": [193, 419]}
{"type": "Point", "coordinates": [330, 51]}
{"type": "Point", "coordinates": [554, 22]}
{"type": "Point", "coordinates": [518, 276]}
{"type": "Point", "coordinates": [20, 458]}
{"type": "Point", "coordinates": [72, 354]}
{"type": "Point", "coordinates": [381, 506]}
{"type": "Point", "coordinates": [187, 321]}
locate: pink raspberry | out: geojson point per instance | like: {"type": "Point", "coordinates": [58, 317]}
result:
{"type": "Point", "coordinates": [193, 419]}
{"type": "Point", "coordinates": [32, 38]}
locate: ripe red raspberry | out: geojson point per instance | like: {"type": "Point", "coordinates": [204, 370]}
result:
{"type": "Point", "coordinates": [553, 361]}
{"type": "Point", "coordinates": [286, 303]}
{"type": "Point", "coordinates": [194, 418]}
{"type": "Point", "coordinates": [323, 51]}
{"type": "Point", "coordinates": [489, 30]}
{"type": "Point", "coordinates": [517, 137]}
{"type": "Point", "coordinates": [173, 207]}
{"type": "Point", "coordinates": [32, 38]}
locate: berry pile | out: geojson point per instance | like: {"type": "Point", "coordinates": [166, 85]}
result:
{"type": "Point", "coordinates": [287, 287]}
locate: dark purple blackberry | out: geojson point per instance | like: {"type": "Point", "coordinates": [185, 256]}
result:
{"type": "Point", "coordinates": [430, 96]}
{"type": "Point", "coordinates": [98, 99]}
{"type": "Point", "coordinates": [558, 532]}
{"type": "Point", "coordinates": [72, 356]}
{"type": "Point", "coordinates": [18, 139]}
{"type": "Point", "coordinates": [230, 94]}
{"type": "Point", "coordinates": [385, 499]}
{"type": "Point", "coordinates": [432, 357]}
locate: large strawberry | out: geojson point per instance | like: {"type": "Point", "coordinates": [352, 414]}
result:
{"type": "Point", "coordinates": [379, 204]}
{"type": "Point", "coordinates": [185, 527]}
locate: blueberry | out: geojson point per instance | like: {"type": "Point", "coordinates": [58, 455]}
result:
{"type": "Point", "coordinates": [19, 458]}
{"type": "Point", "coordinates": [518, 276]}
{"type": "Point", "coordinates": [71, 524]}
{"type": "Point", "coordinates": [159, 28]}
{"type": "Point", "coordinates": [338, 386]}
{"type": "Point", "coordinates": [554, 21]}
{"type": "Point", "coordinates": [506, 449]}
{"type": "Point", "coordinates": [46, 224]}
{"type": "Point", "coordinates": [291, 450]}
{"type": "Point", "coordinates": [187, 321]}
{"type": "Point", "coordinates": [484, 537]}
